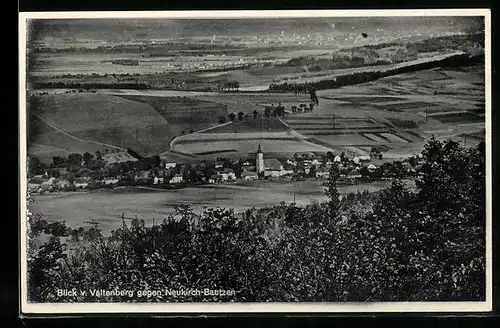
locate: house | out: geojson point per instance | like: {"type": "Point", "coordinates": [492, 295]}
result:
{"type": "Point", "coordinates": [170, 165]}
{"type": "Point", "coordinates": [364, 158]}
{"type": "Point", "coordinates": [227, 175]}
{"type": "Point", "coordinates": [110, 181]}
{"type": "Point", "coordinates": [61, 183]}
{"type": "Point", "coordinates": [278, 174]}
{"type": "Point", "coordinates": [272, 164]}
{"type": "Point", "coordinates": [158, 180]}
{"type": "Point", "coordinates": [337, 159]}
{"type": "Point", "coordinates": [35, 184]}
{"type": "Point", "coordinates": [47, 184]}
{"type": "Point", "coordinates": [356, 160]}
{"type": "Point", "coordinates": [176, 179]}
{"type": "Point", "coordinates": [249, 175]}
{"type": "Point", "coordinates": [316, 162]}
{"type": "Point", "coordinates": [213, 179]}
{"type": "Point", "coordinates": [81, 183]}
{"type": "Point", "coordinates": [371, 167]}
{"type": "Point", "coordinates": [322, 173]}
{"type": "Point", "coordinates": [218, 165]}
{"type": "Point", "coordinates": [274, 168]}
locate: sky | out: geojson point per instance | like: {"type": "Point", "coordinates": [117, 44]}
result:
{"type": "Point", "coordinates": [123, 30]}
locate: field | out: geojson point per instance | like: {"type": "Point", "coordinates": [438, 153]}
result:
{"type": "Point", "coordinates": [250, 124]}
{"type": "Point", "coordinates": [182, 110]}
{"type": "Point", "coordinates": [248, 102]}
{"type": "Point", "coordinates": [107, 206]}
{"type": "Point", "coordinates": [101, 119]}
{"type": "Point", "coordinates": [407, 109]}
{"type": "Point", "coordinates": [217, 144]}
{"type": "Point", "coordinates": [64, 123]}
{"type": "Point", "coordinates": [457, 117]}
{"type": "Point", "coordinates": [45, 141]}
{"type": "Point", "coordinates": [399, 112]}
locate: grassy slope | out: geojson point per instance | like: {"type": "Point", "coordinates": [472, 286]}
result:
{"type": "Point", "coordinates": [45, 142]}
{"type": "Point", "coordinates": [103, 118]}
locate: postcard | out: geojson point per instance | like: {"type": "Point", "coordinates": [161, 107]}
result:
{"type": "Point", "coordinates": [319, 161]}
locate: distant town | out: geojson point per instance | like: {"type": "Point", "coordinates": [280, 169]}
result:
{"type": "Point", "coordinates": [124, 168]}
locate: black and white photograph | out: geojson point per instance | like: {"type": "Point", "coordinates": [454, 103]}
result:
{"type": "Point", "coordinates": [255, 161]}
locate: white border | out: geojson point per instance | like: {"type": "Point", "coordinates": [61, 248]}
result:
{"type": "Point", "coordinates": [81, 308]}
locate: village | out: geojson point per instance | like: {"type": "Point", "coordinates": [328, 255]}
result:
{"type": "Point", "coordinates": [122, 169]}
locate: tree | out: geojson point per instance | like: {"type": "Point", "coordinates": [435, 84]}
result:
{"type": "Point", "coordinates": [54, 173]}
{"type": "Point", "coordinates": [232, 116]}
{"type": "Point", "coordinates": [75, 159]}
{"type": "Point", "coordinates": [331, 190]}
{"type": "Point", "coordinates": [155, 161]}
{"type": "Point", "coordinates": [87, 157]}
{"type": "Point", "coordinates": [36, 166]}
{"type": "Point", "coordinates": [222, 119]}
{"type": "Point", "coordinates": [365, 173]}
{"type": "Point", "coordinates": [58, 161]}
{"type": "Point", "coordinates": [312, 172]}
{"type": "Point", "coordinates": [240, 116]}
{"type": "Point", "coordinates": [413, 161]}
{"type": "Point", "coordinates": [343, 157]}
{"type": "Point", "coordinates": [255, 114]}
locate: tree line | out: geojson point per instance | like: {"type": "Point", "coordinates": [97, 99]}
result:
{"type": "Point", "coordinates": [367, 76]}
{"type": "Point", "coordinates": [90, 85]}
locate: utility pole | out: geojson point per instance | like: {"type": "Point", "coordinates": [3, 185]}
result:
{"type": "Point", "coordinates": [426, 115]}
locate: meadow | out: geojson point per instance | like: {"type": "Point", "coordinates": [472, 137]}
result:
{"type": "Point", "coordinates": [45, 141]}
{"type": "Point", "coordinates": [100, 118]}
{"type": "Point", "coordinates": [106, 206]}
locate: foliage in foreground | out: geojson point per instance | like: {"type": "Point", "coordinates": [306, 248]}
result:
{"type": "Point", "coordinates": [401, 246]}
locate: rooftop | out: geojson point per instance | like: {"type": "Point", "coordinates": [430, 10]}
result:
{"type": "Point", "coordinates": [272, 164]}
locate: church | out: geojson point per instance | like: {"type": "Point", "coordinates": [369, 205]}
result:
{"type": "Point", "coordinates": [269, 167]}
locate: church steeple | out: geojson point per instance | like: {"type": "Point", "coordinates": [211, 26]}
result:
{"type": "Point", "coordinates": [259, 161]}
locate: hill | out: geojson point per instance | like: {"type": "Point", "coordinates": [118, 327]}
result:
{"type": "Point", "coordinates": [45, 141]}
{"type": "Point", "coordinates": [97, 118]}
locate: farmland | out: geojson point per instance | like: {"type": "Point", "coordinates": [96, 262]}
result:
{"type": "Point", "coordinates": [64, 123]}
{"type": "Point", "coordinates": [399, 112]}
{"type": "Point", "coordinates": [248, 102]}
{"type": "Point", "coordinates": [244, 143]}
{"type": "Point", "coordinates": [179, 95]}
{"type": "Point", "coordinates": [249, 125]}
